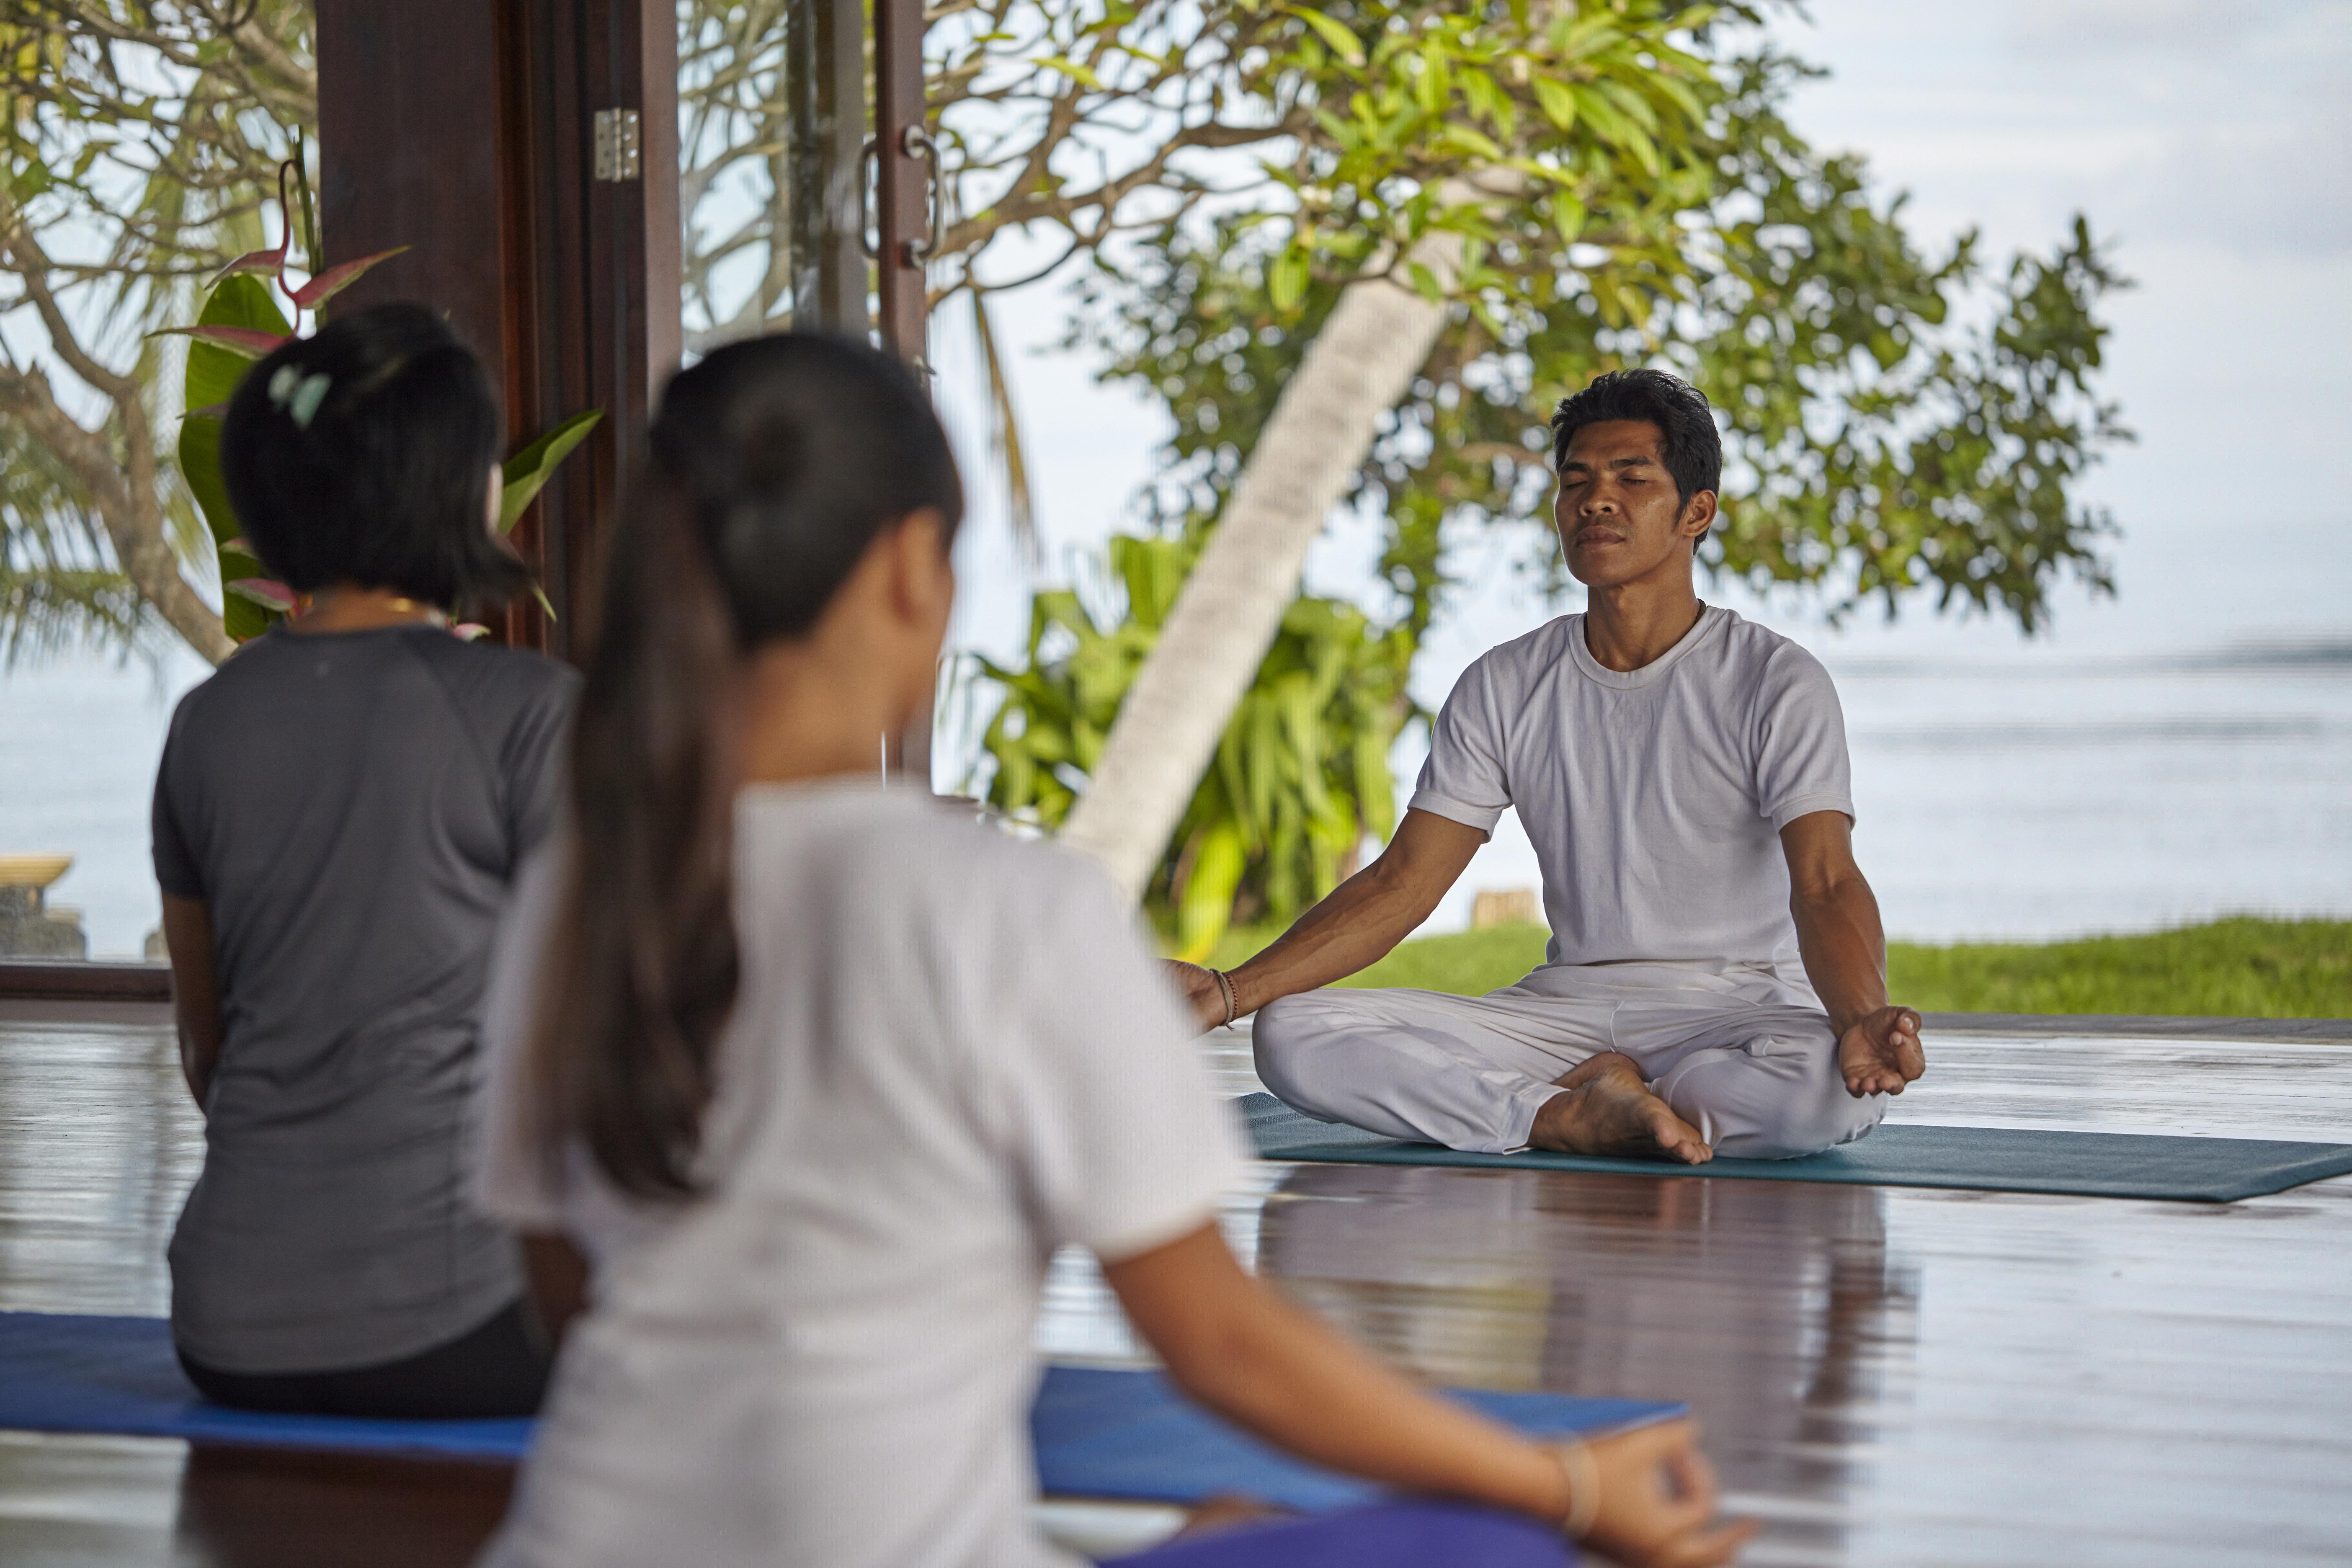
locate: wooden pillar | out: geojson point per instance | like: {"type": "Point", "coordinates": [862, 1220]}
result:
{"type": "Point", "coordinates": [468, 131]}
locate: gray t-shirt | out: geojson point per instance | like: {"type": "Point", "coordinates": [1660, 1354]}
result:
{"type": "Point", "coordinates": [353, 807]}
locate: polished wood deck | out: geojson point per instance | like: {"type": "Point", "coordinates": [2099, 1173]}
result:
{"type": "Point", "coordinates": [1888, 1376]}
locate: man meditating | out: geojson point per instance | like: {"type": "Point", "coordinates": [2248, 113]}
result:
{"type": "Point", "coordinates": [1716, 980]}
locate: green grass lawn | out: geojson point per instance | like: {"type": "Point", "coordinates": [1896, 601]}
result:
{"type": "Point", "coordinates": [2237, 968]}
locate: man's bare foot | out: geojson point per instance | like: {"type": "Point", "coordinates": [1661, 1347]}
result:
{"type": "Point", "coordinates": [1608, 1110]}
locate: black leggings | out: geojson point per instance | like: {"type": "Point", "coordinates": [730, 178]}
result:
{"type": "Point", "coordinates": [498, 1369]}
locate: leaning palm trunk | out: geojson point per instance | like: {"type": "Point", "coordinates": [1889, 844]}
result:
{"type": "Point", "coordinates": [1378, 337]}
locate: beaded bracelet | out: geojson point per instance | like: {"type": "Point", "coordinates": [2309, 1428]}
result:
{"type": "Point", "coordinates": [1225, 989]}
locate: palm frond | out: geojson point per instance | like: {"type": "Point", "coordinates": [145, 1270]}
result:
{"type": "Point", "coordinates": [60, 588]}
{"type": "Point", "coordinates": [1005, 433]}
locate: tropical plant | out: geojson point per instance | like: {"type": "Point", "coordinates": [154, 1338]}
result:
{"type": "Point", "coordinates": [140, 145]}
{"type": "Point", "coordinates": [1495, 204]}
{"type": "Point", "coordinates": [1302, 770]}
{"type": "Point", "coordinates": [239, 323]}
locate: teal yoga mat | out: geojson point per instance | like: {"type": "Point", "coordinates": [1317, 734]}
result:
{"type": "Point", "coordinates": [1984, 1159]}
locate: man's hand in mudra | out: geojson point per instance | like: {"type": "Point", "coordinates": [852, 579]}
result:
{"type": "Point", "coordinates": [1198, 990]}
{"type": "Point", "coordinates": [1878, 1053]}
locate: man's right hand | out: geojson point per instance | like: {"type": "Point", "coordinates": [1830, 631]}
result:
{"type": "Point", "coordinates": [1657, 1500]}
{"type": "Point", "coordinates": [1198, 991]}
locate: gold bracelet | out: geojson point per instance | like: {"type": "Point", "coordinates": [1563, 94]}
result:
{"type": "Point", "coordinates": [1225, 989]}
{"type": "Point", "coordinates": [1583, 1477]}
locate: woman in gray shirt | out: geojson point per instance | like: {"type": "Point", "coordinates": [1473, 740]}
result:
{"type": "Point", "coordinates": [338, 815]}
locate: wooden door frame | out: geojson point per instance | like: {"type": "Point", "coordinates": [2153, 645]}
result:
{"type": "Point", "coordinates": [466, 130]}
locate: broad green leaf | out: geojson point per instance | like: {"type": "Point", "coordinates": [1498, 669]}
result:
{"type": "Point", "coordinates": [1567, 215]}
{"type": "Point", "coordinates": [1557, 103]}
{"type": "Point", "coordinates": [1287, 280]}
{"type": "Point", "coordinates": [1342, 42]}
{"type": "Point", "coordinates": [1375, 787]}
{"type": "Point", "coordinates": [199, 454]}
{"type": "Point", "coordinates": [1431, 87]}
{"type": "Point", "coordinates": [1611, 126]}
{"type": "Point", "coordinates": [528, 472]}
{"type": "Point", "coordinates": [1478, 89]}
{"type": "Point", "coordinates": [1207, 908]}
{"type": "Point", "coordinates": [1262, 766]}
{"type": "Point", "coordinates": [1475, 141]}
{"type": "Point", "coordinates": [214, 371]}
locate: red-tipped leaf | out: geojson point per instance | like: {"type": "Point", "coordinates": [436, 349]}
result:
{"type": "Point", "coordinates": [270, 595]}
{"type": "Point", "coordinates": [250, 341]}
{"type": "Point", "coordinates": [265, 263]}
{"type": "Point", "coordinates": [335, 280]}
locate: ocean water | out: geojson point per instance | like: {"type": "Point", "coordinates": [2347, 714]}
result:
{"type": "Point", "coordinates": [2024, 798]}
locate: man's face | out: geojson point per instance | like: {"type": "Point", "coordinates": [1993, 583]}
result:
{"type": "Point", "coordinates": [1619, 518]}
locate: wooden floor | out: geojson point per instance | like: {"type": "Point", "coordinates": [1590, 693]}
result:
{"type": "Point", "coordinates": [1888, 1376]}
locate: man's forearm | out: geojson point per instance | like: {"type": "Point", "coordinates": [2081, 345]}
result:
{"type": "Point", "coordinates": [1355, 927]}
{"type": "Point", "coordinates": [1844, 949]}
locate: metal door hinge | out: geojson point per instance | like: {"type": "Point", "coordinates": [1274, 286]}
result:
{"type": "Point", "coordinates": [617, 144]}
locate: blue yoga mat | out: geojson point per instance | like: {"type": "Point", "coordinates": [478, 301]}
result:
{"type": "Point", "coordinates": [1100, 1432]}
{"type": "Point", "coordinates": [1985, 1159]}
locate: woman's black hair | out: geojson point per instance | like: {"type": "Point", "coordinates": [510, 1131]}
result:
{"type": "Point", "coordinates": [362, 454]}
{"type": "Point", "coordinates": [775, 466]}
{"type": "Point", "coordinates": [1688, 442]}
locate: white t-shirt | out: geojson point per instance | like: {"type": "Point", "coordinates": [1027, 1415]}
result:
{"type": "Point", "coordinates": [949, 1053]}
{"type": "Point", "coordinates": [1654, 798]}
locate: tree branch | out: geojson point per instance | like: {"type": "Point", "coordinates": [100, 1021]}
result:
{"type": "Point", "coordinates": [133, 516]}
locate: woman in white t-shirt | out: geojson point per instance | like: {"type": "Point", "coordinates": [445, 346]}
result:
{"type": "Point", "coordinates": [817, 1075]}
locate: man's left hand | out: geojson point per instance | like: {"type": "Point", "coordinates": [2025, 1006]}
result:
{"type": "Point", "coordinates": [1880, 1052]}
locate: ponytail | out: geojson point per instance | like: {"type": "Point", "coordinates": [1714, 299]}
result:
{"type": "Point", "coordinates": [774, 465]}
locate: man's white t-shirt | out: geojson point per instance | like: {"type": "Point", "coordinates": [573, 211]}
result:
{"type": "Point", "coordinates": [1653, 797]}
{"type": "Point", "coordinates": [949, 1053]}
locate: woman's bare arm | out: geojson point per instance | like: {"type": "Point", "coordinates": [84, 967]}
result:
{"type": "Point", "coordinates": [1267, 1365]}
{"type": "Point", "coordinates": [196, 990]}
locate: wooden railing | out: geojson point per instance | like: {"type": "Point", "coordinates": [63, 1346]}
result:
{"type": "Point", "coordinates": [25, 980]}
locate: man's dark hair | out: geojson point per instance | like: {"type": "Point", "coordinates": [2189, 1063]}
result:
{"type": "Point", "coordinates": [1688, 439]}
{"type": "Point", "coordinates": [363, 455]}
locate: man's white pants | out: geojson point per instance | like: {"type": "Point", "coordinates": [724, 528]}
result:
{"type": "Point", "coordinates": [1742, 1059]}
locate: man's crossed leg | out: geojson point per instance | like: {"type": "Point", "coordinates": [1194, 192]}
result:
{"type": "Point", "coordinates": [1675, 1073]}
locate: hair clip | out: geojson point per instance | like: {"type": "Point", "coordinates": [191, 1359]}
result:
{"type": "Point", "coordinates": [298, 394]}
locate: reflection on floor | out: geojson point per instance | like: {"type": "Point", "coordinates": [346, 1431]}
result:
{"type": "Point", "coordinates": [1886, 1376]}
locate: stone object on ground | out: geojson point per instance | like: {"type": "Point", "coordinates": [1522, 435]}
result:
{"type": "Point", "coordinates": [29, 926]}
{"type": "Point", "coordinates": [1506, 907]}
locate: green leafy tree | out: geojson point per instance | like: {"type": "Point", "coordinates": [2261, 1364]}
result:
{"type": "Point", "coordinates": [1514, 201]}
{"type": "Point", "coordinates": [1878, 447]}
{"type": "Point", "coordinates": [137, 145]}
